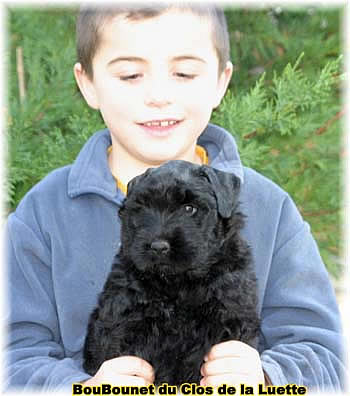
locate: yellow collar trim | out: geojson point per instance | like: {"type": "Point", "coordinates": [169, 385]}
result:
{"type": "Point", "coordinates": [200, 151]}
{"type": "Point", "coordinates": [202, 154]}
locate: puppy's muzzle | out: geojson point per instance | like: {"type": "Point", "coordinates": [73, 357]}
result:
{"type": "Point", "coordinates": [160, 247]}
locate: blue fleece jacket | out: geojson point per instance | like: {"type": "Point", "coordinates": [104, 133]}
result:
{"type": "Point", "coordinates": [65, 232]}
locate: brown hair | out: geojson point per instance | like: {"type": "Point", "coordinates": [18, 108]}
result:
{"type": "Point", "coordinates": [92, 18]}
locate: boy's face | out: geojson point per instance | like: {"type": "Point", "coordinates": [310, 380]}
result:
{"type": "Point", "coordinates": [155, 83]}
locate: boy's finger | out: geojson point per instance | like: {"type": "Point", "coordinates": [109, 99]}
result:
{"type": "Point", "coordinates": [131, 380]}
{"type": "Point", "coordinates": [217, 380]}
{"type": "Point", "coordinates": [121, 380]}
{"type": "Point", "coordinates": [131, 365]}
{"type": "Point", "coordinates": [225, 366]}
{"type": "Point", "coordinates": [229, 349]}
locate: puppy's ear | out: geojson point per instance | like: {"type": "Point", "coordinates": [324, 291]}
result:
{"type": "Point", "coordinates": [136, 180]}
{"type": "Point", "coordinates": [226, 187]}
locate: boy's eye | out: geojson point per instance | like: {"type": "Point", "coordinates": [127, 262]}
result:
{"type": "Point", "coordinates": [186, 76]}
{"type": "Point", "coordinates": [130, 77]}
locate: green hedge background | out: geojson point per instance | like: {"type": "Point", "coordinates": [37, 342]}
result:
{"type": "Point", "coordinates": [283, 106]}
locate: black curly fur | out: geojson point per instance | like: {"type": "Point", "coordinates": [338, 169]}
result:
{"type": "Point", "coordinates": [171, 308]}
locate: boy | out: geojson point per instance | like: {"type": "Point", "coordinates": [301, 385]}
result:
{"type": "Point", "coordinates": [156, 74]}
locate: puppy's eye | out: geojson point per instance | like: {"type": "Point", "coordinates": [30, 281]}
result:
{"type": "Point", "coordinates": [191, 210]}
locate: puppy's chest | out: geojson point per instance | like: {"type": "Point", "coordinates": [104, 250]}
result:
{"type": "Point", "coordinates": [180, 306]}
{"type": "Point", "coordinates": [173, 311]}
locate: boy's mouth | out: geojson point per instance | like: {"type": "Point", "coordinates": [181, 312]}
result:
{"type": "Point", "coordinates": [161, 123]}
{"type": "Point", "coordinates": [159, 127]}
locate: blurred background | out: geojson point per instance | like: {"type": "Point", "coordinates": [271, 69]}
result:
{"type": "Point", "coordinates": [284, 105]}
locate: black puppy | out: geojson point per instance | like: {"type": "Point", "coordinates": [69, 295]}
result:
{"type": "Point", "coordinates": [182, 281]}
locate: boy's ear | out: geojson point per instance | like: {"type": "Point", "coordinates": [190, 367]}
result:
{"type": "Point", "coordinates": [223, 82]}
{"type": "Point", "coordinates": [86, 86]}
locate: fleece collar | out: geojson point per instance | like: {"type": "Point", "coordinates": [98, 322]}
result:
{"type": "Point", "coordinates": [90, 172]}
{"type": "Point", "coordinates": [222, 150]}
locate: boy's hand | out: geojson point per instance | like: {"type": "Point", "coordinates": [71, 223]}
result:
{"type": "Point", "coordinates": [232, 363]}
{"type": "Point", "coordinates": [124, 370]}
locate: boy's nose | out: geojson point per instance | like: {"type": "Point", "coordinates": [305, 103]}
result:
{"type": "Point", "coordinates": [158, 94]}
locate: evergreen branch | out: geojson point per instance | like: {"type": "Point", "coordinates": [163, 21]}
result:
{"type": "Point", "coordinates": [20, 74]}
{"type": "Point", "coordinates": [335, 118]}
{"type": "Point", "coordinates": [250, 135]}
{"type": "Point", "coordinates": [321, 212]}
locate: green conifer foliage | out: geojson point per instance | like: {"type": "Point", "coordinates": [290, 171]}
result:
{"type": "Point", "coordinates": [283, 105]}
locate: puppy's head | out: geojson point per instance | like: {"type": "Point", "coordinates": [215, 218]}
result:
{"type": "Point", "coordinates": [176, 217]}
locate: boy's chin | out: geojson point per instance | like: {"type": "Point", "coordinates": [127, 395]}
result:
{"type": "Point", "coordinates": [159, 155]}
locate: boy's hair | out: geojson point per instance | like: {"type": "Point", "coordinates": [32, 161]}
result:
{"type": "Point", "coordinates": [92, 18]}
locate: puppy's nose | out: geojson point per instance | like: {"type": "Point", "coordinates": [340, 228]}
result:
{"type": "Point", "coordinates": [160, 246]}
